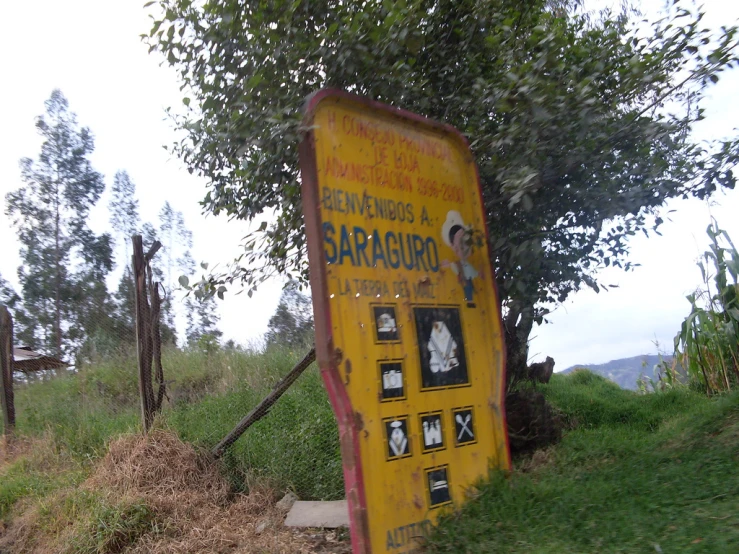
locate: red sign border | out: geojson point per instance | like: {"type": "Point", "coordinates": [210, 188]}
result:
{"type": "Point", "coordinates": [328, 357]}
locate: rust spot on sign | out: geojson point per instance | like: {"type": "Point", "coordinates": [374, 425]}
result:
{"type": "Point", "coordinates": [338, 357]}
{"type": "Point", "coordinates": [358, 421]}
{"type": "Point", "coordinates": [347, 371]}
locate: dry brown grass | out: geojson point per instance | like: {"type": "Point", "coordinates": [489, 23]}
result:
{"type": "Point", "coordinates": [539, 460]}
{"type": "Point", "coordinates": [194, 510]}
{"type": "Point", "coordinates": [39, 450]}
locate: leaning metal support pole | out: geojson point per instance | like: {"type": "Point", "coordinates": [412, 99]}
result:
{"type": "Point", "coordinates": [6, 368]}
{"type": "Point", "coordinates": [261, 410]}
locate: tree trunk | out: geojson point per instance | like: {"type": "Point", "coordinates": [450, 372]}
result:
{"type": "Point", "coordinates": [6, 370]}
{"type": "Point", "coordinates": [532, 423]}
{"type": "Point", "coordinates": [58, 280]}
{"type": "Point", "coordinates": [517, 326]}
{"type": "Point", "coordinates": [143, 334]}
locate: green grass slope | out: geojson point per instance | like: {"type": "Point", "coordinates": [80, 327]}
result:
{"type": "Point", "coordinates": [74, 417]}
{"type": "Point", "coordinates": [633, 473]}
{"type": "Point", "coordinates": [636, 473]}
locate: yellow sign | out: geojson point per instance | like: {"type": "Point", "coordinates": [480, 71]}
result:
{"type": "Point", "coordinates": [408, 332]}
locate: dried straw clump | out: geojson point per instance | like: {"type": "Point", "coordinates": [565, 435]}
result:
{"type": "Point", "coordinates": [159, 465]}
{"type": "Point", "coordinates": [192, 501]}
{"type": "Point", "coordinates": [193, 508]}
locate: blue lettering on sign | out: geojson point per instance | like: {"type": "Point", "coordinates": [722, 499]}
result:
{"type": "Point", "coordinates": [328, 241]}
{"type": "Point", "coordinates": [392, 252]}
{"type": "Point", "coordinates": [359, 248]}
{"type": "Point", "coordinates": [352, 203]}
{"type": "Point", "coordinates": [345, 249]}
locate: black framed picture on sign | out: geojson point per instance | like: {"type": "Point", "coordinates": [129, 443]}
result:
{"type": "Point", "coordinates": [441, 347]}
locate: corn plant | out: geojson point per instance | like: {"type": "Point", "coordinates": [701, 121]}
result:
{"type": "Point", "coordinates": [708, 342]}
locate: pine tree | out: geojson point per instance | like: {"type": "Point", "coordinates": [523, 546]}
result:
{"type": "Point", "coordinates": [167, 324]}
{"type": "Point", "coordinates": [64, 263]}
{"type": "Point", "coordinates": [292, 323]}
{"type": "Point", "coordinates": [22, 326]}
{"type": "Point", "coordinates": [202, 324]}
{"type": "Point", "coordinates": [124, 212]}
{"type": "Point", "coordinates": [125, 222]}
{"type": "Point", "coordinates": [175, 256]}
{"type": "Point", "coordinates": [124, 316]}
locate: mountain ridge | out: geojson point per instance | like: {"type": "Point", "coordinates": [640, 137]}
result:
{"type": "Point", "coordinates": [625, 371]}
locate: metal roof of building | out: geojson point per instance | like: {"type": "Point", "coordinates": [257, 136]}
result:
{"type": "Point", "coordinates": [26, 360]}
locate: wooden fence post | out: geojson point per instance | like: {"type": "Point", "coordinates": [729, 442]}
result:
{"type": "Point", "coordinates": [6, 368]}
{"type": "Point", "coordinates": [148, 338]}
{"type": "Point", "coordinates": [142, 333]}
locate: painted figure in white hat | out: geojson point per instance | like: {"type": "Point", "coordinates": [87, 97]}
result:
{"type": "Point", "coordinates": [453, 234]}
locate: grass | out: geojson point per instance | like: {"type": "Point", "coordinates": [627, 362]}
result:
{"type": "Point", "coordinates": [34, 469]}
{"type": "Point", "coordinates": [87, 522]}
{"type": "Point", "coordinates": [77, 415]}
{"type": "Point", "coordinates": [113, 527]}
{"type": "Point", "coordinates": [637, 473]}
{"type": "Point", "coordinates": [633, 473]}
{"type": "Point", "coordinates": [298, 435]}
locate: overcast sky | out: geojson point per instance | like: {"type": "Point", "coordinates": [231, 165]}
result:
{"type": "Point", "coordinates": [91, 50]}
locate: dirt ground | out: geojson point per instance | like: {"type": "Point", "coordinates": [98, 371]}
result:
{"type": "Point", "coordinates": [192, 506]}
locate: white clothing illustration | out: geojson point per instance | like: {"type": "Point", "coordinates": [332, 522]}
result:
{"type": "Point", "coordinates": [468, 272]}
{"type": "Point", "coordinates": [442, 349]}
{"type": "Point", "coordinates": [398, 441]}
{"type": "Point", "coordinates": [386, 324]}
{"type": "Point", "coordinates": [432, 432]}
{"type": "Point", "coordinates": [393, 379]}
{"type": "Point", "coordinates": [438, 485]}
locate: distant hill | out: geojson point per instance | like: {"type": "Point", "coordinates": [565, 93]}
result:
{"type": "Point", "coordinates": [626, 371]}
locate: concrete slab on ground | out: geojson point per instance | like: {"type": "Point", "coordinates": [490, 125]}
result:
{"type": "Point", "coordinates": [318, 514]}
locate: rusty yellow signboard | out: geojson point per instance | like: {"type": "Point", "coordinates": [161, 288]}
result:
{"type": "Point", "coordinates": [408, 332]}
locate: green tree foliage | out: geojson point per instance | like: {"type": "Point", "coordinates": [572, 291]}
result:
{"type": "Point", "coordinates": [202, 324]}
{"type": "Point", "coordinates": [123, 209]}
{"type": "Point", "coordinates": [64, 262]}
{"type": "Point", "coordinates": [202, 319]}
{"type": "Point", "coordinates": [8, 296]}
{"type": "Point", "coordinates": [292, 323]}
{"type": "Point", "coordinates": [124, 212]}
{"type": "Point", "coordinates": [174, 257]}
{"type": "Point", "coordinates": [176, 240]}
{"type": "Point", "coordinates": [22, 325]}
{"type": "Point", "coordinates": [167, 324]}
{"type": "Point", "coordinates": [580, 126]}
{"type": "Point", "coordinates": [125, 308]}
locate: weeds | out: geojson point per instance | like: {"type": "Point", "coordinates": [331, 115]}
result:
{"type": "Point", "coordinates": [668, 375]}
{"type": "Point", "coordinates": [111, 528]}
{"type": "Point", "coordinates": [35, 471]}
{"type": "Point", "coordinates": [708, 342]}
